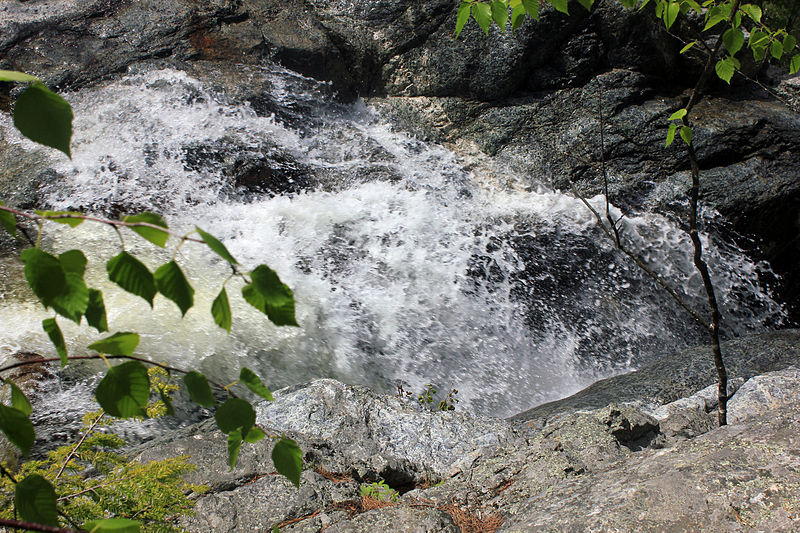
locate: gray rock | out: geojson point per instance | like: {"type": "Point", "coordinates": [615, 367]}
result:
{"type": "Point", "coordinates": [760, 395]}
{"type": "Point", "coordinates": [398, 518]}
{"type": "Point", "coordinates": [375, 435]}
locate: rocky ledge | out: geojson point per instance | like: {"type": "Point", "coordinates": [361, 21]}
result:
{"type": "Point", "coordinates": [634, 464]}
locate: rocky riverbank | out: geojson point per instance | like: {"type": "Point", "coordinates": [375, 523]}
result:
{"type": "Point", "coordinates": [637, 463]}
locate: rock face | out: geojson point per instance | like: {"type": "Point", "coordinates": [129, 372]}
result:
{"type": "Point", "coordinates": [611, 468]}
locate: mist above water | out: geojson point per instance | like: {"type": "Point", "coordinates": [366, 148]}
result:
{"type": "Point", "coordinates": [407, 267]}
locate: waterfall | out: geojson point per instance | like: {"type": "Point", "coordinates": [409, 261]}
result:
{"type": "Point", "coordinates": [410, 264]}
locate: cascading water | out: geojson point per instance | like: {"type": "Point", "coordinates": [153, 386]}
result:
{"type": "Point", "coordinates": [406, 267]}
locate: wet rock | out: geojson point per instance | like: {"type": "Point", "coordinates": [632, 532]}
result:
{"type": "Point", "coordinates": [760, 395]}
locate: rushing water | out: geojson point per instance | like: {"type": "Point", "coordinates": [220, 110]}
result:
{"type": "Point", "coordinates": [407, 268]}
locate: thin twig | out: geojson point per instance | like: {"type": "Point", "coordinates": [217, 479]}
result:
{"type": "Point", "coordinates": [31, 526]}
{"type": "Point", "coordinates": [74, 450]}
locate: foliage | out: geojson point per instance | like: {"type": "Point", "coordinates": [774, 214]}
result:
{"type": "Point", "coordinates": [428, 398]}
{"type": "Point", "coordinates": [93, 478]}
{"type": "Point", "coordinates": [125, 391]}
{"type": "Point", "coordinates": [379, 491]}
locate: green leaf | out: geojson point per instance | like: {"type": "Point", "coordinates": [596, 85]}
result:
{"type": "Point", "coordinates": [686, 135]}
{"type": "Point", "coordinates": [44, 273]}
{"type": "Point", "coordinates": [758, 39]}
{"type": "Point", "coordinates": [715, 15]}
{"type": "Point", "coordinates": [74, 300]}
{"type": "Point", "coordinates": [776, 49]}
{"type": "Point", "coordinates": [17, 428]}
{"type": "Point", "coordinates": [170, 410]}
{"type": "Point", "coordinates": [671, 13]}
{"type": "Point", "coordinates": [254, 435]}
{"type": "Point", "coordinates": [671, 134]}
{"type": "Point", "coordinates": [482, 14]}
{"type": "Point", "coordinates": [73, 261]}
{"type": "Point", "coordinates": [216, 246]}
{"type": "Point", "coordinates": [156, 236]}
{"type": "Point", "coordinates": [587, 4]}
{"type": "Point", "coordinates": [499, 14]}
{"type": "Point", "coordinates": [96, 311]}
{"type": "Point", "coordinates": [733, 39]}
{"type": "Point", "coordinates": [687, 47]}
{"type": "Point", "coordinates": [121, 343]}
{"type": "Point", "coordinates": [199, 389]}
{"type": "Point", "coordinates": [464, 11]}
{"type": "Point", "coordinates": [18, 399]}
{"type": "Point", "coordinates": [560, 5]}
{"type": "Point", "coordinates": [234, 445]}
{"type": "Point", "coordinates": [7, 219]}
{"type": "Point", "coordinates": [694, 5]}
{"type": "Point", "coordinates": [517, 17]}
{"type": "Point", "coordinates": [35, 500]}
{"type": "Point", "coordinates": [532, 7]}
{"type": "Point", "coordinates": [221, 311]}
{"type": "Point", "coordinates": [254, 383]}
{"type": "Point", "coordinates": [50, 327]}
{"type": "Point", "coordinates": [752, 11]}
{"type": "Point", "coordinates": [171, 282]}
{"type": "Point", "coordinates": [69, 221]}
{"type": "Point", "coordinates": [235, 414]}
{"type": "Point", "coordinates": [288, 460]}
{"type": "Point", "coordinates": [112, 525]}
{"type": "Point", "coordinates": [131, 274]}
{"type": "Point", "coordinates": [794, 66]}
{"type": "Point", "coordinates": [679, 114]}
{"type": "Point", "coordinates": [725, 69]}
{"type": "Point", "coordinates": [124, 390]}
{"type": "Point", "coordinates": [44, 117]}
{"type": "Point", "coordinates": [12, 75]}
{"type": "Point", "coordinates": [267, 294]}
{"type": "Point", "coordinates": [789, 42]}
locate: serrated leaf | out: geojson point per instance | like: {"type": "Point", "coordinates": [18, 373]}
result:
{"type": "Point", "coordinates": [221, 311]}
{"type": "Point", "coordinates": [171, 282]}
{"type": "Point", "coordinates": [733, 39]}
{"type": "Point", "coordinates": [752, 11]}
{"type": "Point", "coordinates": [254, 383]}
{"type": "Point", "coordinates": [44, 117]}
{"type": "Point", "coordinates": [254, 435]}
{"type": "Point", "coordinates": [671, 12]}
{"type": "Point", "coordinates": [156, 236]}
{"type": "Point", "coordinates": [74, 300]}
{"type": "Point", "coordinates": [686, 134]}
{"type": "Point", "coordinates": [671, 134]}
{"type": "Point", "coordinates": [17, 428]}
{"type": "Point", "coordinates": [235, 414]}
{"type": "Point", "coordinates": [12, 75]}
{"type": "Point", "coordinates": [112, 525]}
{"type": "Point", "coordinates": [124, 390]}
{"type": "Point", "coordinates": [715, 15]}
{"type": "Point", "coordinates": [288, 460]}
{"type": "Point", "coordinates": [532, 8]}
{"type": "Point", "coordinates": [482, 14]}
{"type": "Point", "coordinates": [694, 5]}
{"type": "Point", "coordinates": [35, 500]}
{"type": "Point", "coordinates": [18, 399]}
{"type": "Point", "coordinates": [216, 246]}
{"type": "Point", "coordinates": [725, 69]}
{"type": "Point", "coordinates": [270, 296]}
{"type": "Point", "coordinates": [131, 274]}
{"type": "Point", "coordinates": [73, 261]}
{"type": "Point", "coordinates": [587, 4]}
{"type": "Point", "coordinates": [677, 115]}
{"type": "Point", "coordinates": [96, 311]}
{"type": "Point", "coordinates": [794, 65]}
{"type": "Point", "coordinates": [758, 39]}
{"type": "Point", "coordinates": [50, 327]}
{"type": "Point", "coordinates": [234, 445]}
{"type": "Point", "coordinates": [789, 42]}
{"type": "Point", "coordinates": [688, 47]}
{"type": "Point", "coordinates": [560, 5]}
{"type": "Point", "coordinates": [8, 221]}
{"type": "Point", "coordinates": [464, 11]}
{"type": "Point", "coordinates": [517, 17]}
{"type": "Point", "coordinates": [121, 343]}
{"type": "Point", "coordinates": [45, 275]}
{"type": "Point", "coordinates": [199, 389]}
{"type": "Point", "coordinates": [499, 14]}
{"type": "Point", "coordinates": [776, 49]}
{"type": "Point", "coordinates": [69, 221]}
